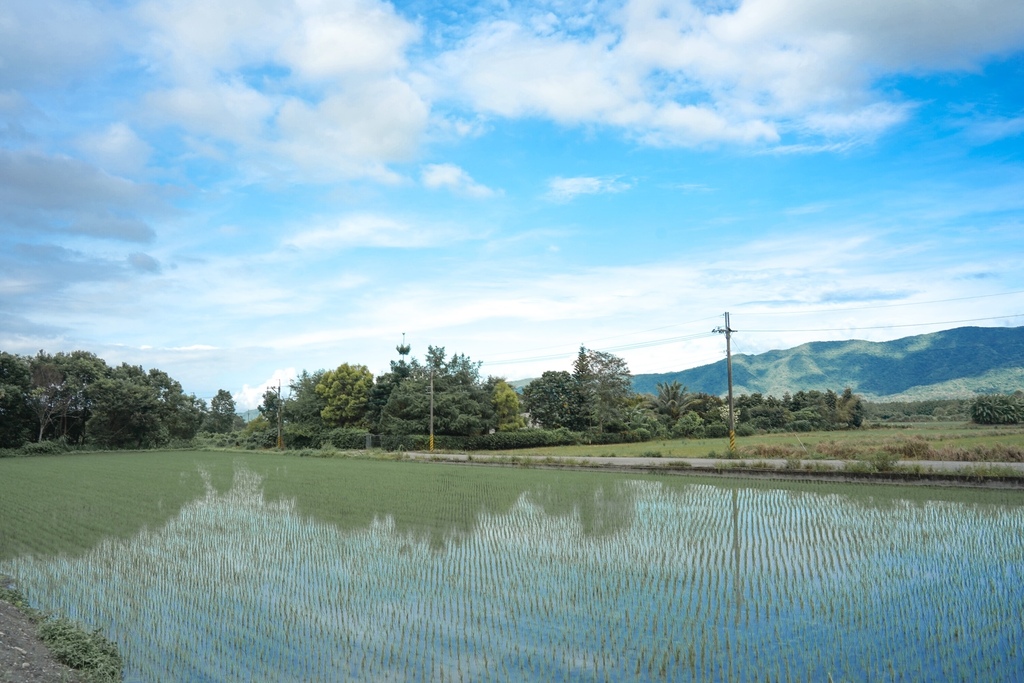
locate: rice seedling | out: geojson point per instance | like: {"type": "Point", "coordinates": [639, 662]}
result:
{"type": "Point", "coordinates": [268, 568]}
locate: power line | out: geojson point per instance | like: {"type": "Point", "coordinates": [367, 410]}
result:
{"type": "Point", "coordinates": [599, 339]}
{"type": "Point", "coordinates": [700, 335]}
{"type": "Point", "coordinates": [623, 347]}
{"type": "Point", "coordinates": [878, 306]}
{"type": "Point", "coordinates": [888, 327]}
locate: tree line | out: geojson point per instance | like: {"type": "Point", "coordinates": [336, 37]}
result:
{"type": "Point", "coordinates": [594, 401]}
{"type": "Point", "coordinates": [77, 399]}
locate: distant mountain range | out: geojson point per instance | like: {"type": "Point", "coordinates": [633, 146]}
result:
{"type": "Point", "coordinates": [955, 363]}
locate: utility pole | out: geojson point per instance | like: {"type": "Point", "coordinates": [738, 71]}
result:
{"type": "Point", "coordinates": [431, 411]}
{"type": "Point", "coordinates": [728, 364]}
{"type": "Point", "coordinates": [280, 407]}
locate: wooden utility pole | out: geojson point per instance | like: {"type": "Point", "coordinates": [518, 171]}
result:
{"type": "Point", "coordinates": [280, 407]}
{"type": "Point", "coordinates": [431, 411]}
{"type": "Point", "coordinates": [728, 364]}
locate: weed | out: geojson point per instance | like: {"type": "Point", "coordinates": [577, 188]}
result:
{"type": "Point", "coordinates": [95, 658]}
{"type": "Point", "coordinates": [857, 467]}
{"type": "Point", "coordinates": [884, 461]}
{"type": "Point", "coordinates": [770, 450]}
{"type": "Point", "coordinates": [840, 450]}
{"type": "Point", "coordinates": [89, 652]}
{"type": "Point", "coordinates": [914, 448]}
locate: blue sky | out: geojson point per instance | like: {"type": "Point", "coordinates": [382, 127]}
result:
{"type": "Point", "coordinates": [236, 190]}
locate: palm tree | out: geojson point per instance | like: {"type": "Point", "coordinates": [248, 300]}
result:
{"type": "Point", "coordinates": [672, 400]}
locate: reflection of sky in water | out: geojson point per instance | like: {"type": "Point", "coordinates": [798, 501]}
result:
{"type": "Point", "coordinates": [678, 582]}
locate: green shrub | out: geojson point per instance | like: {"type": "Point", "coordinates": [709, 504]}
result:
{"type": "Point", "coordinates": [997, 409]}
{"type": "Point", "coordinates": [745, 429]}
{"type": "Point", "coordinates": [527, 438]}
{"type": "Point", "coordinates": [344, 438]}
{"type": "Point", "coordinates": [55, 447]}
{"type": "Point", "coordinates": [90, 653]}
{"type": "Point", "coordinates": [688, 426]}
{"type": "Point", "coordinates": [884, 461]}
{"type": "Point", "coordinates": [716, 431]}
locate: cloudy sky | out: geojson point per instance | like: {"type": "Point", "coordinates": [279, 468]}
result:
{"type": "Point", "coordinates": [236, 190]}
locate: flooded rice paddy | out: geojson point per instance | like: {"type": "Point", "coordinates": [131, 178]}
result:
{"type": "Point", "coordinates": [265, 567]}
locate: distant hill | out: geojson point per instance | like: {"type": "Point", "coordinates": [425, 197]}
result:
{"type": "Point", "coordinates": [955, 363]}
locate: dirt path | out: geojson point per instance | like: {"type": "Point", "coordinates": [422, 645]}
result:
{"type": "Point", "coordinates": [24, 658]}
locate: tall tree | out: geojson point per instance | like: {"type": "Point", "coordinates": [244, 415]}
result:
{"type": "Point", "coordinates": [125, 410]}
{"type": "Point", "coordinates": [605, 386]}
{"type": "Point", "coordinates": [462, 403]}
{"type": "Point", "coordinates": [221, 417]}
{"type": "Point", "coordinates": [48, 395]}
{"type": "Point", "coordinates": [552, 400]}
{"type": "Point", "coordinates": [506, 407]}
{"type": "Point", "coordinates": [16, 418]}
{"type": "Point", "coordinates": [584, 403]}
{"type": "Point", "coordinates": [346, 392]}
{"type": "Point", "coordinates": [81, 369]}
{"type": "Point", "coordinates": [671, 402]}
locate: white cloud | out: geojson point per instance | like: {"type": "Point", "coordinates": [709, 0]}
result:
{"type": "Point", "coordinates": [117, 148]}
{"type": "Point", "coordinates": [315, 87]}
{"type": "Point", "coordinates": [450, 176]}
{"type": "Point", "coordinates": [676, 73]}
{"type": "Point", "coordinates": [46, 43]}
{"type": "Point", "coordinates": [252, 396]}
{"type": "Point", "coordinates": [506, 69]}
{"type": "Point", "coordinates": [341, 38]}
{"type": "Point", "coordinates": [372, 231]}
{"type": "Point", "coordinates": [566, 189]}
{"type": "Point", "coordinates": [231, 111]}
{"type": "Point", "coordinates": [355, 131]}
{"type": "Point", "coordinates": [990, 129]}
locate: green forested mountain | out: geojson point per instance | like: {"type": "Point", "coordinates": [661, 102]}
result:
{"type": "Point", "coordinates": [951, 364]}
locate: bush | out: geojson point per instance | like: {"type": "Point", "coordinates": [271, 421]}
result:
{"type": "Point", "coordinates": [688, 425]}
{"type": "Point", "coordinates": [56, 447]}
{"type": "Point", "coordinates": [716, 430]}
{"type": "Point", "coordinates": [526, 438]}
{"type": "Point", "coordinates": [997, 410]}
{"type": "Point", "coordinates": [344, 438]}
{"type": "Point", "coordinates": [884, 461]}
{"type": "Point", "coordinates": [302, 436]}
{"type": "Point", "coordinates": [745, 429]}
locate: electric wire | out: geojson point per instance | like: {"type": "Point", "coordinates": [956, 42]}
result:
{"type": "Point", "coordinates": [879, 306]}
{"type": "Point", "coordinates": [889, 327]}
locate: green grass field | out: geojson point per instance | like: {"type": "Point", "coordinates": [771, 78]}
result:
{"type": "Point", "coordinates": [941, 441]}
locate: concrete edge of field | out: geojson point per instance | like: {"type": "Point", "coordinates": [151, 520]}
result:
{"type": "Point", "coordinates": [932, 472]}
